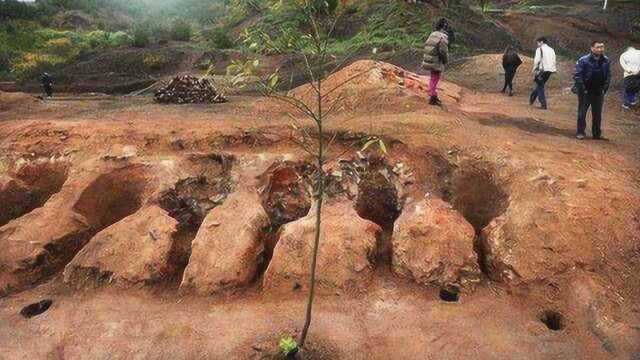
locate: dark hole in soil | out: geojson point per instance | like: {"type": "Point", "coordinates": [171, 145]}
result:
{"type": "Point", "coordinates": [476, 195]}
{"type": "Point", "coordinates": [287, 194]}
{"type": "Point", "coordinates": [36, 309]}
{"type": "Point", "coordinates": [377, 199]}
{"type": "Point", "coordinates": [32, 186]}
{"type": "Point", "coordinates": [552, 319]}
{"type": "Point", "coordinates": [451, 294]}
{"type": "Point", "coordinates": [269, 237]}
{"type": "Point", "coordinates": [473, 190]}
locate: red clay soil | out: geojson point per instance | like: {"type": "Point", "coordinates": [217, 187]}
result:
{"type": "Point", "coordinates": [556, 220]}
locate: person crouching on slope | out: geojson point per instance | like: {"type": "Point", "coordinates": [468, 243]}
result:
{"type": "Point", "coordinates": [544, 64]}
{"type": "Point", "coordinates": [436, 56]}
{"type": "Point", "coordinates": [510, 63]}
{"type": "Point", "coordinates": [630, 62]}
{"type": "Point", "coordinates": [592, 77]}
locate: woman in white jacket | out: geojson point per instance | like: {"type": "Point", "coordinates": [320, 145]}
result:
{"type": "Point", "coordinates": [544, 64]}
{"type": "Point", "coordinates": [630, 62]}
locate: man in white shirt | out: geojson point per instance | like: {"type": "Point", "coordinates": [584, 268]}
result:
{"type": "Point", "coordinates": [630, 62]}
{"type": "Point", "coordinates": [544, 64]}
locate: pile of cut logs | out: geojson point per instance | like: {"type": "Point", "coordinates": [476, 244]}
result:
{"type": "Point", "coordinates": [188, 90]}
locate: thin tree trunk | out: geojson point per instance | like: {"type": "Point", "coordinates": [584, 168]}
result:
{"type": "Point", "coordinates": [316, 241]}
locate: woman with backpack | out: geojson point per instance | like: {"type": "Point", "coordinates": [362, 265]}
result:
{"type": "Point", "coordinates": [510, 62]}
{"type": "Point", "coordinates": [436, 56]}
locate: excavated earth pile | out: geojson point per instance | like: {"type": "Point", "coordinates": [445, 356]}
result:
{"type": "Point", "coordinates": [188, 240]}
{"type": "Point", "coordinates": [188, 90]}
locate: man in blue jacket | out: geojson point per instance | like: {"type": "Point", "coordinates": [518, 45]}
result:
{"type": "Point", "coordinates": [592, 78]}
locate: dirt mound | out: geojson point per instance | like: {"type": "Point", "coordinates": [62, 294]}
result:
{"type": "Point", "coordinates": [10, 101]}
{"type": "Point", "coordinates": [485, 72]}
{"type": "Point", "coordinates": [228, 248]}
{"type": "Point", "coordinates": [345, 257]}
{"type": "Point", "coordinates": [134, 250]}
{"type": "Point", "coordinates": [433, 244]}
{"type": "Point", "coordinates": [368, 85]}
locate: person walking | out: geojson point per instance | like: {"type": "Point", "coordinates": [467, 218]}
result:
{"type": "Point", "coordinates": [592, 77]}
{"type": "Point", "coordinates": [47, 84]}
{"type": "Point", "coordinates": [510, 63]}
{"type": "Point", "coordinates": [630, 62]}
{"type": "Point", "coordinates": [436, 56]}
{"type": "Point", "coordinates": [544, 64]}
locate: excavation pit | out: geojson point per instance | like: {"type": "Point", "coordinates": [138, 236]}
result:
{"type": "Point", "coordinates": [451, 294]}
{"type": "Point", "coordinates": [474, 191]}
{"type": "Point", "coordinates": [552, 319]}
{"type": "Point", "coordinates": [30, 187]}
{"type": "Point", "coordinates": [287, 195]}
{"type": "Point", "coordinates": [191, 199]}
{"type": "Point", "coordinates": [36, 309]}
{"type": "Point", "coordinates": [112, 197]}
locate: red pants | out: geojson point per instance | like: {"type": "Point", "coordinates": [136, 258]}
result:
{"type": "Point", "coordinates": [433, 83]}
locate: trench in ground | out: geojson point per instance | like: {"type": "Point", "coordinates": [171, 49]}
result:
{"type": "Point", "coordinates": [189, 202]}
{"type": "Point", "coordinates": [286, 196]}
{"type": "Point", "coordinates": [109, 198]}
{"type": "Point", "coordinates": [472, 188]}
{"type": "Point", "coordinates": [30, 187]}
{"type": "Point", "coordinates": [378, 201]}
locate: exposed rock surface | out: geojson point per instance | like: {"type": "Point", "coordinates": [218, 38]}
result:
{"type": "Point", "coordinates": [37, 244]}
{"type": "Point", "coordinates": [597, 310]}
{"type": "Point", "coordinates": [345, 257]}
{"type": "Point", "coordinates": [228, 247]}
{"type": "Point", "coordinates": [133, 250]}
{"type": "Point", "coordinates": [434, 244]}
{"type": "Point", "coordinates": [525, 244]}
{"type": "Point", "coordinates": [42, 242]}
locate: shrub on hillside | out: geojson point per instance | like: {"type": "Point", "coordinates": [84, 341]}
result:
{"type": "Point", "coordinates": [14, 9]}
{"type": "Point", "coordinates": [154, 62]}
{"type": "Point", "coordinates": [181, 31]}
{"type": "Point", "coordinates": [59, 47]}
{"type": "Point", "coordinates": [29, 65]}
{"type": "Point", "coordinates": [220, 39]}
{"type": "Point", "coordinates": [121, 38]}
{"type": "Point", "coordinates": [98, 39]}
{"type": "Point", "coordinates": [141, 37]}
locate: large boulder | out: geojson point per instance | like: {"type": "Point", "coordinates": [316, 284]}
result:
{"type": "Point", "coordinates": [434, 244]}
{"type": "Point", "coordinates": [39, 244]}
{"type": "Point", "coordinates": [136, 249]}
{"type": "Point", "coordinates": [228, 248]}
{"type": "Point", "coordinates": [534, 240]}
{"type": "Point", "coordinates": [345, 257]}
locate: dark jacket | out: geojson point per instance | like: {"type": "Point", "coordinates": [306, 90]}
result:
{"type": "Point", "coordinates": [511, 60]}
{"type": "Point", "coordinates": [586, 67]}
{"type": "Point", "coordinates": [46, 79]}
